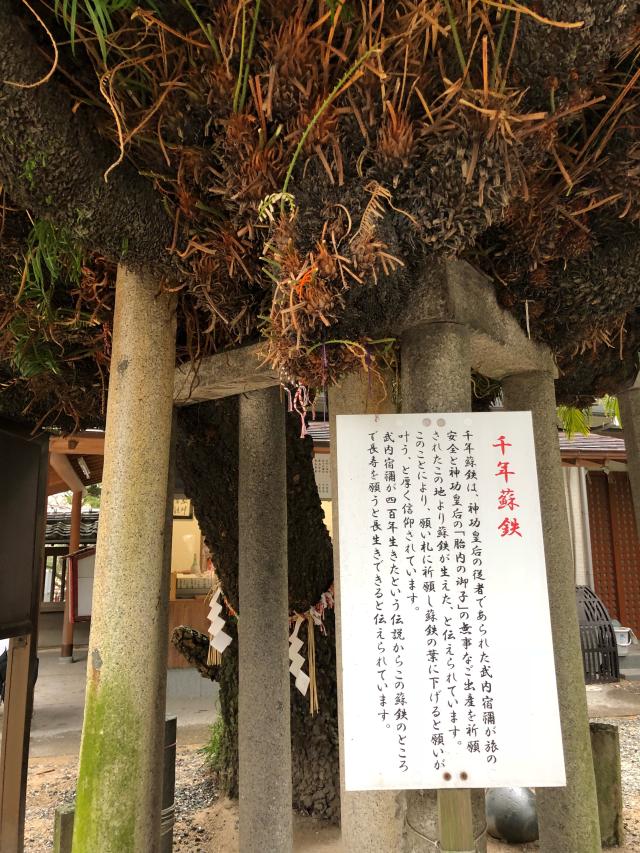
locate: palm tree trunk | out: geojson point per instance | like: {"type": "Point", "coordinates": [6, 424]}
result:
{"type": "Point", "coordinates": [207, 458]}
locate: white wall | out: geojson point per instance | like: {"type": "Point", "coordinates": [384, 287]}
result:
{"type": "Point", "coordinates": [328, 517]}
{"type": "Point", "coordinates": [185, 544]}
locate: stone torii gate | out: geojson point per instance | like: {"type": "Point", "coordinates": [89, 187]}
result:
{"type": "Point", "coordinates": [451, 325]}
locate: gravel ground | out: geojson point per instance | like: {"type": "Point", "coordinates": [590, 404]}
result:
{"type": "Point", "coordinates": [52, 783]}
{"type": "Point", "coordinates": [195, 793]}
{"type": "Point", "coordinates": [205, 823]}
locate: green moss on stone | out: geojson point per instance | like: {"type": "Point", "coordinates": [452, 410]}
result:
{"type": "Point", "coordinates": [110, 785]}
{"type": "Point", "coordinates": [31, 166]}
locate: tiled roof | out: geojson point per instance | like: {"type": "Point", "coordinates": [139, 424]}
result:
{"type": "Point", "coordinates": [319, 431]}
{"type": "Point", "coordinates": [59, 528]}
{"type": "Point", "coordinates": [601, 445]}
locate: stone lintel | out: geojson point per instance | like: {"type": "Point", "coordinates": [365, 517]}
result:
{"type": "Point", "coordinates": [452, 292]}
{"type": "Point", "coordinates": [223, 375]}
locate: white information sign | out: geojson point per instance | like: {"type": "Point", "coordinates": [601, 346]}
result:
{"type": "Point", "coordinates": [448, 672]}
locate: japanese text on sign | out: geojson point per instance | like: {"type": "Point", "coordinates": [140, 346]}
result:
{"type": "Point", "coordinates": [447, 657]}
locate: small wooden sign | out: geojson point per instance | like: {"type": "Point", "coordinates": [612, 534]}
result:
{"type": "Point", "coordinates": [81, 575]}
{"type": "Point", "coordinates": [182, 508]}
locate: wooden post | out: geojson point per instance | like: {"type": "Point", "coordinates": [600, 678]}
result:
{"type": "Point", "coordinates": [617, 540]}
{"type": "Point", "coordinates": [18, 699]}
{"type": "Point", "coordinates": [120, 779]}
{"type": "Point", "coordinates": [66, 649]}
{"type": "Point", "coordinates": [436, 377]}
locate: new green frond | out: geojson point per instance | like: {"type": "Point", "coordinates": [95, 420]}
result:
{"type": "Point", "coordinates": [574, 421]}
{"type": "Point", "coordinates": [611, 406]}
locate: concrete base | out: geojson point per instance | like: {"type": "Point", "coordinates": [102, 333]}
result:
{"type": "Point", "coordinates": [631, 674]}
{"type": "Point", "coordinates": [613, 700]}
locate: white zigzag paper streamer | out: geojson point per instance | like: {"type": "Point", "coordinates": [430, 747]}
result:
{"type": "Point", "coordinates": [297, 661]}
{"type": "Point", "coordinates": [218, 639]}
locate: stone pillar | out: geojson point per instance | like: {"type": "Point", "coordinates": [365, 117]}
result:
{"type": "Point", "coordinates": [605, 746]}
{"type": "Point", "coordinates": [264, 724]}
{"type": "Point", "coordinates": [370, 820]}
{"type": "Point", "coordinates": [436, 377]}
{"type": "Point", "coordinates": [568, 816]}
{"type": "Point", "coordinates": [630, 417]}
{"type": "Point", "coordinates": [63, 829]}
{"type": "Point", "coordinates": [436, 369]}
{"type": "Point", "coordinates": [120, 777]}
{"type": "Point", "coordinates": [66, 649]}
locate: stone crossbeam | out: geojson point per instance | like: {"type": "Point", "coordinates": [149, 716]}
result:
{"type": "Point", "coordinates": [455, 292]}
{"type": "Point", "coordinates": [451, 292]}
{"type": "Point", "coordinates": [223, 375]}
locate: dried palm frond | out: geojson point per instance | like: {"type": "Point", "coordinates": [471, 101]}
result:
{"type": "Point", "coordinates": [308, 152]}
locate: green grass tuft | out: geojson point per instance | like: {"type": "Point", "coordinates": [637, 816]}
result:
{"type": "Point", "coordinates": [53, 260]}
{"type": "Point", "coordinates": [98, 13]}
{"type": "Point", "coordinates": [211, 750]}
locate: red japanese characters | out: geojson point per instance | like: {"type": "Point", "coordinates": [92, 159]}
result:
{"type": "Point", "coordinates": [509, 526]}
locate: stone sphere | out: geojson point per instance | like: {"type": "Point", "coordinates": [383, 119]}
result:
{"type": "Point", "coordinates": [512, 815]}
